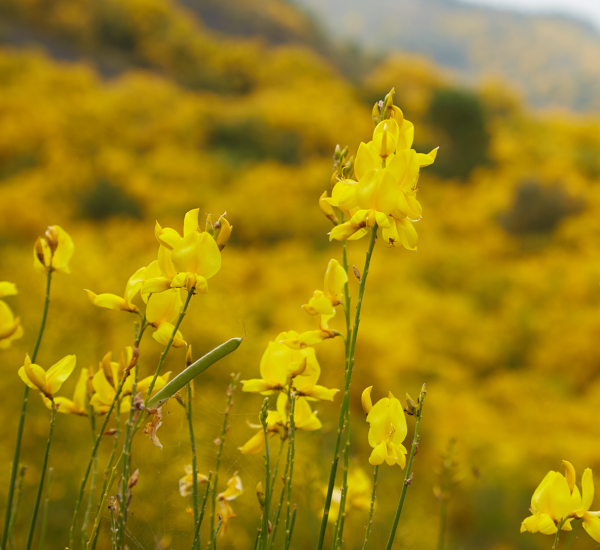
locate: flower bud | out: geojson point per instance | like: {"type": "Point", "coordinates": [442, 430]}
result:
{"type": "Point", "coordinates": [327, 209]}
{"type": "Point", "coordinates": [376, 114]}
{"type": "Point", "coordinates": [188, 356]}
{"type": "Point", "coordinates": [208, 226]}
{"type": "Point", "coordinates": [222, 232]}
{"type": "Point", "coordinates": [365, 399]}
{"type": "Point", "coordinates": [411, 406]}
{"type": "Point", "coordinates": [260, 495]}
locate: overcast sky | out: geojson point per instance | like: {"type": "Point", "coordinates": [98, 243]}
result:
{"type": "Point", "coordinates": [589, 10]}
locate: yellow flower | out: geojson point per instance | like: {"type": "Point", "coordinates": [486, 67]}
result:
{"type": "Point", "coordinates": [234, 490]}
{"type": "Point", "coordinates": [134, 285]}
{"type": "Point", "coordinates": [557, 501]}
{"type": "Point", "coordinates": [186, 483]}
{"type": "Point", "coordinates": [48, 382]}
{"type": "Point", "coordinates": [282, 365]}
{"type": "Point", "coordinates": [387, 429]}
{"type": "Point", "coordinates": [275, 426]}
{"type": "Point", "coordinates": [53, 251]}
{"type": "Point", "coordinates": [190, 260]}
{"type": "Point", "coordinates": [78, 404]}
{"type": "Point", "coordinates": [304, 418]}
{"type": "Point", "coordinates": [108, 378]}
{"type": "Point", "coordinates": [162, 311]}
{"type": "Point", "coordinates": [10, 326]}
{"type": "Point", "coordinates": [223, 232]}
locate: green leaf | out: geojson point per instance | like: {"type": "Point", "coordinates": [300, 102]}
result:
{"type": "Point", "coordinates": [172, 387]}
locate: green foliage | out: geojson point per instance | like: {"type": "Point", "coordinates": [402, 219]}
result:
{"type": "Point", "coordinates": [458, 118]}
{"type": "Point", "coordinates": [106, 200]}
{"type": "Point", "coordinates": [538, 209]}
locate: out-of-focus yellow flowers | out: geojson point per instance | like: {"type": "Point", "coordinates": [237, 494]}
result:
{"type": "Point", "coordinates": [358, 497]}
{"type": "Point", "coordinates": [557, 502]}
{"type": "Point", "coordinates": [53, 251]}
{"type": "Point", "coordinates": [275, 426]}
{"type": "Point", "coordinates": [10, 326]}
{"type": "Point", "coordinates": [47, 382]}
{"type": "Point", "coordinates": [161, 312]}
{"type": "Point", "coordinates": [321, 307]}
{"type": "Point", "coordinates": [282, 366]}
{"type": "Point", "coordinates": [76, 406]}
{"type": "Point", "coordinates": [186, 483]}
{"type": "Point", "coordinates": [387, 429]}
{"type": "Point", "coordinates": [188, 261]}
{"type": "Point", "coordinates": [384, 192]}
{"type": "Point", "coordinates": [234, 490]}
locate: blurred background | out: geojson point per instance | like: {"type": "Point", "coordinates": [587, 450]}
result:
{"type": "Point", "coordinates": [117, 113]}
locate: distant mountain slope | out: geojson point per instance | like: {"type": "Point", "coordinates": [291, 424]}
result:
{"type": "Point", "coordinates": [552, 61]}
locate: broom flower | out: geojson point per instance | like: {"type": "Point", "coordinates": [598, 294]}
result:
{"type": "Point", "coordinates": [53, 251]}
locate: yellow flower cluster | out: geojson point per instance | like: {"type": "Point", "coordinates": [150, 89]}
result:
{"type": "Point", "coordinates": [557, 502]}
{"type": "Point", "coordinates": [387, 174]}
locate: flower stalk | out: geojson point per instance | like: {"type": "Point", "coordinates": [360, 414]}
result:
{"type": "Point", "coordinates": [408, 477]}
{"type": "Point", "coordinates": [371, 507]}
{"type": "Point", "coordinates": [346, 398]}
{"type": "Point", "coordinates": [289, 527]}
{"type": "Point", "coordinates": [264, 534]}
{"type": "Point", "coordinates": [45, 510]}
{"type": "Point", "coordinates": [194, 463]}
{"type": "Point", "coordinates": [196, 542]}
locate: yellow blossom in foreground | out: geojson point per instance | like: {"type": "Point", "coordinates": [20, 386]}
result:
{"type": "Point", "coordinates": [10, 326]}
{"type": "Point", "coordinates": [557, 501]}
{"type": "Point", "coordinates": [234, 490]}
{"type": "Point", "coordinates": [190, 260]}
{"type": "Point", "coordinates": [50, 381]}
{"type": "Point", "coordinates": [53, 251]}
{"type": "Point", "coordinates": [79, 403]}
{"type": "Point", "coordinates": [186, 483]}
{"type": "Point", "coordinates": [162, 311]}
{"type": "Point", "coordinates": [275, 426]}
{"type": "Point", "coordinates": [387, 429]}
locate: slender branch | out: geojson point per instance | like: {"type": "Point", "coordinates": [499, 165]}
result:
{"type": "Point", "coordinates": [38, 498]}
{"type": "Point", "coordinates": [346, 399]}
{"type": "Point", "coordinates": [408, 477]}
{"type": "Point", "coordinates": [15, 462]}
{"type": "Point", "coordinates": [45, 510]}
{"type": "Point", "coordinates": [221, 440]}
{"type": "Point", "coordinates": [90, 504]}
{"type": "Point", "coordinates": [196, 542]}
{"type": "Point", "coordinates": [194, 463]}
{"type": "Point", "coordinates": [371, 508]}
{"type": "Point", "coordinates": [15, 512]}
{"type": "Point", "coordinates": [266, 508]}
{"type": "Point", "coordinates": [292, 437]}
{"type": "Point", "coordinates": [555, 546]}
{"type": "Point", "coordinates": [281, 497]}
{"type": "Point", "coordinates": [291, 530]}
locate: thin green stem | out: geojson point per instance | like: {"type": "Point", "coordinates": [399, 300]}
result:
{"type": "Point", "coordinates": [45, 510]}
{"type": "Point", "coordinates": [292, 444]}
{"type": "Point", "coordinates": [266, 508]}
{"type": "Point", "coordinates": [408, 477]}
{"type": "Point", "coordinates": [281, 497]}
{"type": "Point", "coordinates": [95, 448]}
{"type": "Point", "coordinates": [291, 530]}
{"type": "Point", "coordinates": [15, 512]}
{"type": "Point", "coordinates": [113, 523]}
{"type": "Point", "coordinates": [103, 501]}
{"type": "Point", "coordinates": [372, 507]}
{"type": "Point", "coordinates": [555, 546]}
{"type": "Point", "coordinates": [38, 498]}
{"type": "Point", "coordinates": [196, 542]}
{"type": "Point", "coordinates": [90, 504]}
{"type": "Point", "coordinates": [274, 476]}
{"type": "Point", "coordinates": [15, 462]}
{"type": "Point", "coordinates": [194, 463]}
{"type": "Point", "coordinates": [230, 389]}
{"type": "Point", "coordinates": [346, 398]}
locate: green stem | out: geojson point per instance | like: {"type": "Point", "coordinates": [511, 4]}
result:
{"type": "Point", "coordinates": [196, 543]}
{"type": "Point", "coordinates": [230, 389]}
{"type": "Point", "coordinates": [372, 507]}
{"type": "Point", "coordinates": [555, 546]}
{"type": "Point", "coordinates": [113, 523]}
{"type": "Point", "coordinates": [291, 530]}
{"type": "Point", "coordinates": [194, 464]}
{"type": "Point", "coordinates": [15, 512]}
{"type": "Point", "coordinates": [15, 463]}
{"type": "Point", "coordinates": [38, 498]}
{"type": "Point", "coordinates": [264, 535]}
{"type": "Point", "coordinates": [90, 504]}
{"type": "Point", "coordinates": [408, 476]}
{"type": "Point", "coordinates": [281, 497]}
{"type": "Point", "coordinates": [45, 511]}
{"type": "Point", "coordinates": [103, 502]}
{"type": "Point", "coordinates": [346, 399]}
{"type": "Point", "coordinates": [95, 448]}
{"type": "Point", "coordinates": [292, 444]}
